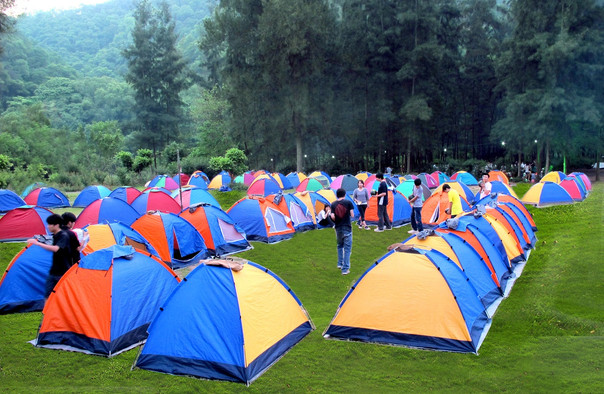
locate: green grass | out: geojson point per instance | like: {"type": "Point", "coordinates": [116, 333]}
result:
{"type": "Point", "coordinates": [546, 337]}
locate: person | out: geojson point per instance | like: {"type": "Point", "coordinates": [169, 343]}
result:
{"type": "Point", "coordinates": [454, 201]}
{"type": "Point", "coordinates": [74, 243]}
{"type": "Point", "coordinates": [382, 209]}
{"type": "Point", "coordinates": [61, 252]}
{"type": "Point", "coordinates": [361, 197]}
{"type": "Point", "coordinates": [324, 217]}
{"type": "Point", "coordinates": [389, 171]}
{"type": "Point", "coordinates": [341, 212]}
{"type": "Point", "coordinates": [416, 210]}
{"type": "Point", "coordinates": [485, 187]}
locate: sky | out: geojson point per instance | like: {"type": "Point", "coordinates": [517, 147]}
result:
{"type": "Point", "coordinates": [33, 6]}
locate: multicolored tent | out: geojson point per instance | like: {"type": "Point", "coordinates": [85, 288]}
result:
{"type": "Point", "coordinates": [573, 187]}
{"type": "Point", "coordinates": [155, 200]}
{"type": "Point", "coordinates": [220, 181]}
{"type": "Point", "coordinates": [498, 187]}
{"type": "Point", "coordinates": [23, 283]}
{"type": "Point", "coordinates": [245, 322]}
{"type": "Point", "coordinates": [164, 181]}
{"type": "Point", "coordinates": [90, 194]}
{"type": "Point", "coordinates": [309, 184]}
{"type": "Point", "coordinates": [107, 210]}
{"type": "Point", "coordinates": [102, 236]}
{"type": "Point", "coordinates": [499, 176]}
{"type": "Point", "coordinates": [363, 175]}
{"type": "Point", "coordinates": [433, 211]}
{"type": "Point", "coordinates": [220, 233]}
{"type": "Point", "coordinates": [416, 298]}
{"type": "Point", "coordinates": [47, 197]}
{"type": "Point", "coordinates": [282, 180]}
{"type": "Point", "coordinates": [181, 179]}
{"type": "Point", "coordinates": [261, 220]}
{"type": "Point", "coordinates": [545, 194]}
{"type": "Point", "coordinates": [291, 206]}
{"type": "Point", "coordinates": [22, 223]}
{"type": "Point", "coordinates": [199, 179]}
{"type": "Point", "coordinates": [581, 182]}
{"type": "Point", "coordinates": [347, 182]}
{"type": "Point", "coordinates": [295, 178]}
{"type": "Point", "coordinates": [553, 176]}
{"type": "Point", "coordinates": [177, 241]}
{"type": "Point", "coordinates": [428, 180]}
{"type": "Point", "coordinates": [314, 202]}
{"type": "Point", "coordinates": [194, 196]}
{"type": "Point", "coordinates": [463, 190]}
{"type": "Point", "coordinates": [465, 177]}
{"type": "Point", "coordinates": [9, 200]}
{"type": "Point", "coordinates": [399, 210]}
{"type": "Point", "coordinates": [263, 187]}
{"type": "Point", "coordinates": [584, 178]}
{"type": "Point", "coordinates": [125, 193]}
{"type": "Point", "coordinates": [406, 189]}
{"type": "Point", "coordinates": [31, 187]}
{"type": "Point", "coordinates": [440, 177]}
{"type": "Point", "coordinates": [119, 291]}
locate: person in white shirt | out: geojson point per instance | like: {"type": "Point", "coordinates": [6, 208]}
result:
{"type": "Point", "coordinates": [485, 187]}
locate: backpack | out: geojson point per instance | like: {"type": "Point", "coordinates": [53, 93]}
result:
{"type": "Point", "coordinates": [341, 211]}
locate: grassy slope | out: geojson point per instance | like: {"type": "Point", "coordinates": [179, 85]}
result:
{"type": "Point", "coordinates": [547, 336]}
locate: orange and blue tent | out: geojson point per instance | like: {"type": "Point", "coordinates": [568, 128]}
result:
{"type": "Point", "coordinates": [261, 220]}
{"type": "Point", "coordinates": [416, 298]}
{"type": "Point", "coordinates": [498, 187]}
{"type": "Point", "coordinates": [245, 322]}
{"type": "Point", "coordinates": [102, 236]}
{"type": "Point", "coordinates": [433, 211]}
{"type": "Point", "coordinates": [398, 209]}
{"type": "Point", "coordinates": [9, 200]}
{"type": "Point", "coordinates": [263, 187]}
{"type": "Point", "coordinates": [463, 190]}
{"type": "Point", "coordinates": [295, 178]}
{"type": "Point", "coordinates": [47, 197]}
{"type": "Point", "coordinates": [553, 176]}
{"type": "Point", "coordinates": [220, 233]}
{"type": "Point", "coordinates": [119, 290]}
{"type": "Point", "coordinates": [194, 196]}
{"type": "Point", "coordinates": [298, 212]}
{"type": "Point", "coordinates": [23, 283]}
{"type": "Point", "coordinates": [177, 242]}
{"type": "Point", "coordinates": [22, 223]}
{"type": "Point", "coordinates": [500, 198]}
{"type": "Point", "coordinates": [90, 194]}
{"type": "Point", "coordinates": [107, 210]}
{"type": "Point", "coordinates": [125, 193]}
{"type": "Point", "coordinates": [155, 200]}
{"type": "Point", "coordinates": [465, 177]}
{"type": "Point", "coordinates": [496, 175]}
{"type": "Point", "coordinates": [545, 194]}
{"type": "Point", "coordinates": [164, 181]}
{"type": "Point", "coordinates": [513, 229]}
{"type": "Point", "coordinates": [440, 177]}
{"type": "Point", "coordinates": [330, 195]}
{"type": "Point", "coordinates": [314, 202]}
{"type": "Point", "coordinates": [199, 179]}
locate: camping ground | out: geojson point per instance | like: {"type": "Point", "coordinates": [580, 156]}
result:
{"type": "Point", "coordinates": [546, 337]}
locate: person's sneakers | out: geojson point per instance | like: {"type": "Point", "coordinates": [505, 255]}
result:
{"type": "Point", "coordinates": [411, 232]}
{"type": "Point", "coordinates": [389, 228]}
{"type": "Point", "coordinates": [378, 230]}
{"type": "Point", "coordinates": [345, 272]}
{"type": "Point", "coordinates": [367, 228]}
{"type": "Point", "coordinates": [339, 267]}
{"type": "Point", "coordinates": [361, 227]}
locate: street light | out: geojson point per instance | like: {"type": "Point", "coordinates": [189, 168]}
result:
{"type": "Point", "coordinates": [503, 143]}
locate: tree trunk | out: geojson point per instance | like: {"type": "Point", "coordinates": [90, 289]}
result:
{"type": "Point", "coordinates": [546, 168]}
{"type": "Point", "coordinates": [518, 164]}
{"type": "Point", "coordinates": [299, 161]}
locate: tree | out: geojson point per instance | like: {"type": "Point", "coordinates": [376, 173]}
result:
{"type": "Point", "coordinates": [6, 23]}
{"type": "Point", "coordinates": [157, 73]}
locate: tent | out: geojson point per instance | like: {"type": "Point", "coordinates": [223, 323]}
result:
{"type": "Point", "coordinates": [572, 186]}
{"type": "Point", "coordinates": [155, 200]}
{"type": "Point", "coordinates": [107, 210]}
{"type": "Point", "coordinates": [553, 176]}
{"type": "Point", "coordinates": [263, 187]}
{"type": "Point", "coordinates": [295, 178]}
{"type": "Point", "coordinates": [465, 177]}
{"type": "Point", "coordinates": [164, 181]}
{"type": "Point", "coordinates": [321, 175]}
{"type": "Point", "coordinates": [393, 180]}
{"type": "Point", "coordinates": [498, 187]}
{"type": "Point", "coordinates": [125, 193]}
{"type": "Point", "coordinates": [194, 196]}
{"type": "Point", "coordinates": [90, 194]}
{"type": "Point", "coordinates": [330, 195]}
{"type": "Point", "coordinates": [181, 179]}
{"type": "Point", "coordinates": [119, 291]}
{"type": "Point", "coordinates": [22, 223]}
{"type": "Point", "coordinates": [433, 211]}
{"type": "Point", "coordinates": [580, 182]}
{"type": "Point", "coordinates": [428, 180]}
{"type": "Point", "coordinates": [157, 189]}
{"type": "Point", "coordinates": [31, 187]}
{"type": "Point", "coordinates": [314, 202]}
{"type": "Point", "coordinates": [9, 200]}
{"type": "Point", "coordinates": [497, 198]}
{"type": "Point", "coordinates": [463, 190]}
{"type": "Point", "coordinates": [498, 176]}
{"type": "Point", "coordinates": [440, 177]}
{"type": "Point", "coordinates": [347, 182]}
{"type": "Point", "coordinates": [411, 176]}
{"type": "Point", "coordinates": [220, 233]}
{"type": "Point", "coordinates": [584, 178]}
{"type": "Point", "coordinates": [545, 194]}
{"type": "Point", "coordinates": [23, 283]}
{"type": "Point", "coordinates": [177, 241]}
{"type": "Point", "coordinates": [302, 218]}
{"type": "Point", "coordinates": [399, 210]}
{"type": "Point", "coordinates": [199, 179]}
{"type": "Point", "coordinates": [220, 181]}
{"type": "Point", "coordinates": [47, 197]}
{"type": "Point", "coordinates": [416, 298]}
{"type": "Point", "coordinates": [102, 236]}
{"type": "Point", "coordinates": [363, 175]}
{"type": "Point", "coordinates": [261, 220]}
{"type": "Point", "coordinates": [406, 189]}
{"type": "Point", "coordinates": [282, 180]}
{"type": "Point", "coordinates": [310, 184]}
{"type": "Point", "coordinates": [245, 322]}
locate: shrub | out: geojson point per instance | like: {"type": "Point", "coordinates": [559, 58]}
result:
{"type": "Point", "coordinates": [125, 159]}
{"type": "Point", "coordinates": [143, 159]}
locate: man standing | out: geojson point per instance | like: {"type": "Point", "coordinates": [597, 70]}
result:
{"type": "Point", "coordinates": [382, 209]}
{"type": "Point", "coordinates": [416, 203]}
{"type": "Point", "coordinates": [341, 212]}
{"type": "Point", "coordinates": [61, 252]}
{"type": "Point", "coordinates": [454, 201]}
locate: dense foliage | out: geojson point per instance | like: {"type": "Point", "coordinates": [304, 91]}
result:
{"type": "Point", "coordinates": [341, 85]}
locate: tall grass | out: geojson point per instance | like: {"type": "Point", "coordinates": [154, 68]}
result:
{"type": "Point", "coordinates": [546, 337]}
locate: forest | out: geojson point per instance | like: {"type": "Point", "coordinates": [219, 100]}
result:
{"type": "Point", "coordinates": [117, 92]}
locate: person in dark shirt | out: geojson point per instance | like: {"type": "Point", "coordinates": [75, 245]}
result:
{"type": "Point", "coordinates": [382, 209]}
{"type": "Point", "coordinates": [68, 222]}
{"type": "Point", "coordinates": [341, 212]}
{"type": "Point", "coordinates": [61, 251]}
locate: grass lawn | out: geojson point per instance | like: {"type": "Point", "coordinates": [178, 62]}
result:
{"type": "Point", "coordinates": [546, 337]}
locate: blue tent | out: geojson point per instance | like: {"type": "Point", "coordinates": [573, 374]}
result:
{"type": "Point", "coordinates": [302, 218]}
{"type": "Point", "coordinates": [22, 285]}
{"type": "Point", "coordinates": [199, 179]}
{"type": "Point", "coordinates": [47, 197]}
{"type": "Point", "coordinates": [91, 194]}
{"type": "Point", "coordinates": [225, 324]}
{"type": "Point", "coordinates": [9, 200]}
{"type": "Point", "coordinates": [261, 220]}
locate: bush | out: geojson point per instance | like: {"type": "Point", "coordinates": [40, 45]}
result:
{"type": "Point", "coordinates": [143, 159]}
{"type": "Point", "coordinates": [125, 159]}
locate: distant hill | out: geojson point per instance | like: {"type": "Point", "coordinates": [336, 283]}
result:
{"type": "Point", "coordinates": [90, 39]}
